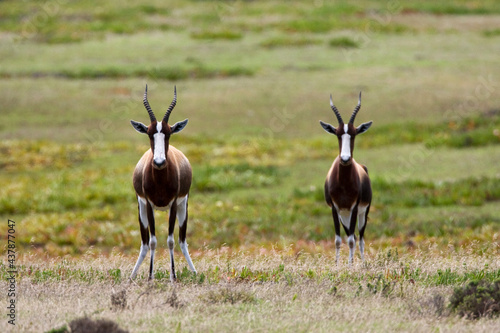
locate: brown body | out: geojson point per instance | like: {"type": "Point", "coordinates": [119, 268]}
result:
{"type": "Point", "coordinates": [347, 186]}
{"type": "Point", "coordinates": [160, 187]}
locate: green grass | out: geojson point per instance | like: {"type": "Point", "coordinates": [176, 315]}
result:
{"type": "Point", "coordinates": [455, 7]}
{"type": "Point", "coordinates": [220, 34]}
{"type": "Point", "coordinates": [398, 268]}
{"type": "Point", "coordinates": [287, 41]}
{"type": "Point", "coordinates": [198, 71]}
{"type": "Point", "coordinates": [58, 24]}
{"type": "Point", "coordinates": [491, 32]}
{"type": "Point", "coordinates": [343, 42]}
{"type": "Point", "coordinates": [85, 195]}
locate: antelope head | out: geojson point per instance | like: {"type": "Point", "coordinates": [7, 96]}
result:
{"type": "Point", "coordinates": [346, 132]}
{"type": "Point", "coordinates": [159, 132]}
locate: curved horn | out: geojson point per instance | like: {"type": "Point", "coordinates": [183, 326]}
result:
{"type": "Point", "coordinates": [171, 107]}
{"type": "Point", "coordinates": [146, 105]}
{"type": "Point", "coordinates": [356, 109]}
{"type": "Point", "coordinates": [337, 113]}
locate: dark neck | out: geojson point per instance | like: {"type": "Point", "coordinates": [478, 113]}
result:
{"type": "Point", "coordinates": [161, 176]}
{"type": "Point", "coordinates": [345, 171]}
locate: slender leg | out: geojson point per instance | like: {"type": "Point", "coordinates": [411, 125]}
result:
{"type": "Point", "coordinates": [170, 239]}
{"type": "Point", "coordinates": [338, 239]}
{"type": "Point", "coordinates": [351, 240]}
{"type": "Point", "coordinates": [143, 225]}
{"type": "Point", "coordinates": [363, 217]}
{"type": "Point", "coordinates": [182, 217]}
{"type": "Point", "coordinates": [152, 241]}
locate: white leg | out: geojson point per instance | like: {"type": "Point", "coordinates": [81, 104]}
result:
{"type": "Point", "coordinates": [182, 218]}
{"type": "Point", "coordinates": [184, 249]}
{"type": "Point", "coordinates": [152, 246]}
{"type": "Point", "coordinates": [361, 226]}
{"type": "Point", "coordinates": [171, 244]}
{"type": "Point", "coordinates": [182, 210]}
{"type": "Point", "coordinates": [351, 241]}
{"type": "Point", "coordinates": [338, 242]}
{"type": "Point", "coordinates": [143, 217]}
{"type": "Point", "coordinates": [142, 255]}
{"type": "Point", "coordinates": [362, 248]}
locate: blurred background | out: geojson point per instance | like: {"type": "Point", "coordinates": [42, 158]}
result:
{"type": "Point", "coordinates": [254, 79]}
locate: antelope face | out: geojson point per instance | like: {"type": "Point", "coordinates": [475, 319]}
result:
{"type": "Point", "coordinates": [159, 132]}
{"type": "Point", "coordinates": [346, 132]}
{"type": "Point", "coordinates": [346, 136]}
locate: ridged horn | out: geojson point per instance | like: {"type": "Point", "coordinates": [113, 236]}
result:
{"type": "Point", "coordinates": [337, 113]}
{"type": "Point", "coordinates": [171, 107]}
{"type": "Point", "coordinates": [356, 109]}
{"type": "Point", "coordinates": [146, 105]}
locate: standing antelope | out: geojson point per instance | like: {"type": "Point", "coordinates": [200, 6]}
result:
{"type": "Point", "coordinates": [347, 187]}
{"type": "Point", "coordinates": [162, 179]}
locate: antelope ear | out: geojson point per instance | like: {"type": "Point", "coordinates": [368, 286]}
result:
{"type": "Point", "coordinates": [178, 126]}
{"type": "Point", "coordinates": [363, 127]}
{"type": "Point", "coordinates": [329, 128]}
{"type": "Point", "coordinates": [139, 127]}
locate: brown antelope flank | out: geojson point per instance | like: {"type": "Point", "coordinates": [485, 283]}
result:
{"type": "Point", "coordinates": [162, 179]}
{"type": "Point", "coordinates": [347, 187]}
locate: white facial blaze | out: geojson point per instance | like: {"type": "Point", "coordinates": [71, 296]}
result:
{"type": "Point", "coordinates": [345, 153]}
{"type": "Point", "coordinates": [159, 152]}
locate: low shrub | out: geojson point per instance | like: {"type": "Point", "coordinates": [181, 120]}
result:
{"type": "Point", "coordinates": [477, 299]}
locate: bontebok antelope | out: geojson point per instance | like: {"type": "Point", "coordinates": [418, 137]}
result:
{"type": "Point", "coordinates": [162, 179]}
{"type": "Point", "coordinates": [347, 187]}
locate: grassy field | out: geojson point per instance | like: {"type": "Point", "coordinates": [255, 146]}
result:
{"type": "Point", "coordinates": [276, 290]}
{"type": "Point", "coordinates": [254, 78]}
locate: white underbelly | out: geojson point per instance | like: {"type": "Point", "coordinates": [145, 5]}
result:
{"type": "Point", "coordinates": [167, 208]}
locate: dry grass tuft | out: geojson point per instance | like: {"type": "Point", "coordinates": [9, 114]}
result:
{"type": "Point", "coordinates": [433, 306]}
{"type": "Point", "coordinates": [228, 295]}
{"type": "Point", "coordinates": [119, 300]}
{"type": "Point", "coordinates": [174, 301]}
